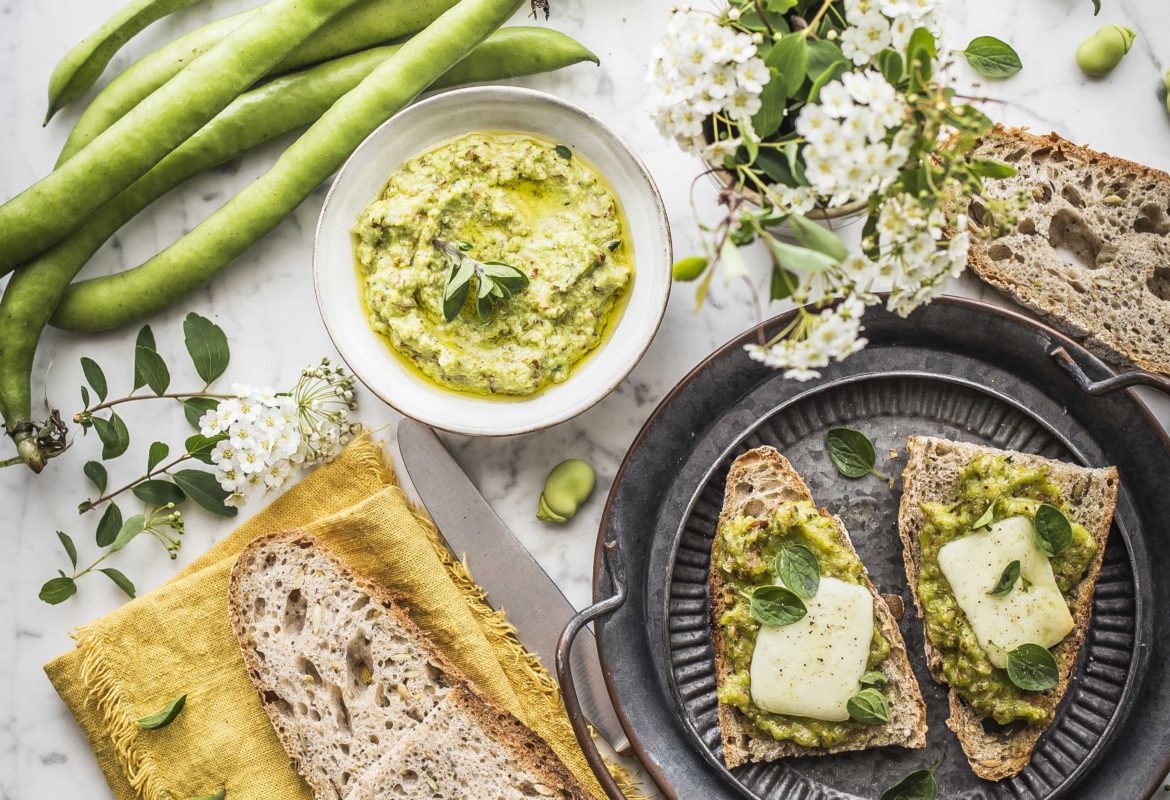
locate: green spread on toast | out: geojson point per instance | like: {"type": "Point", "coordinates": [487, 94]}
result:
{"type": "Point", "coordinates": [745, 551]}
{"type": "Point", "coordinates": [1020, 490]}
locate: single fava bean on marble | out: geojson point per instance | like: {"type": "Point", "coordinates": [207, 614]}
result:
{"type": "Point", "coordinates": [568, 485]}
{"type": "Point", "coordinates": [1101, 52]}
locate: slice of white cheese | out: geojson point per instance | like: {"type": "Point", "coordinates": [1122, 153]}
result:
{"type": "Point", "coordinates": [1033, 612]}
{"type": "Point", "coordinates": [812, 667]}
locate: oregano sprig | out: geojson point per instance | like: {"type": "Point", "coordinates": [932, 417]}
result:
{"type": "Point", "coordinates": [495, 281]}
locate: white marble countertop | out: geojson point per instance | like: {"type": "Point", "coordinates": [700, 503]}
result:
{"type": "Point", "coordinates": [265, 303]}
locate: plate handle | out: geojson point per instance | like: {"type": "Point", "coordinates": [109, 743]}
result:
{"type": "Point", "coordinates": [1113, 383]}
{"type": "Point", "coordinates": [581, 729]}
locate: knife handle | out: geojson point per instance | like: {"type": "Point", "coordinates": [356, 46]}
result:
{"type": "Point", "coordinates": [565, 670]}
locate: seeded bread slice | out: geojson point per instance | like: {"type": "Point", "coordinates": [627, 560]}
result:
{"type": "Point", "coordinates": [467, 749]}
{"type": "Point", "coordinates": [1091, 249]}
{"type": "Point", "coordinates": [759, 482]}
{"type": "Point", "coordinates": [931, 476]}
{"type": "Point", "coordinates": [341, 670]}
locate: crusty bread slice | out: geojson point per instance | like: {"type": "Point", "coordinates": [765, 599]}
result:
{"type": "Point", "coordinates": [345, 675]}
{"type": "Point", "coordinates": [931, 476]}
{"type": "Point", "coordinates": [1091, 251]}
{"type": "Point", "coordinates": [468, 750]}
{"type": "Point", "coordinates": [341, 670]}
{"type": "Point", "coordinates": [759, 482]}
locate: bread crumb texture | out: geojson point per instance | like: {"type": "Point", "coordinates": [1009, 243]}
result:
{"type": "Point", "coordinates": [1090, 250]}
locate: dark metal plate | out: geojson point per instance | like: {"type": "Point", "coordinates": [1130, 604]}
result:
{"type": "Point", "coordinates": [957, 369]}
{"type": "Point", "coordinates": [889, 407]}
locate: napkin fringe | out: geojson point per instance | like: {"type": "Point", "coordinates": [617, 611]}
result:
{"type": "Point", "coordinates": [517, 654]}
{"type": "Point", "coordinates": [104, 690]}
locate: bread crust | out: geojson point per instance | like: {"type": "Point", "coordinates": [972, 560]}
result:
{"type": "Point", "coordinates": [931, 475]}
{"type": "Point", "coordinates": [1110, 305]}
{"type": "Point", "coordinates": [532, 751]}
{"type": "Point", "coordinates": [758, 482]}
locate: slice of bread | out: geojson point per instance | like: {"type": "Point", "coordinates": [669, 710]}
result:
{"type": "Point", "coordinates": [759, 482]}
{"type": "Point", "coordinates": [466, 748]}
{"type": "Point", "coordinates": [1091, 249]}
{"type": "Point", "coordinates": [931, 476]}
{"type": "Point", "coordinates": [345, 675]}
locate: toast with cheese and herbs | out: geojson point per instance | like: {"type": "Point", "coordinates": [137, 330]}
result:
{"type": "Point", "coordinates": [764, 494]}
{"type": "Point", "coordinates": [1089, 250]}
{"type": "Point", "coordinates": [953, 491]}
{"type": "Point", "coordinates": [355, 691]}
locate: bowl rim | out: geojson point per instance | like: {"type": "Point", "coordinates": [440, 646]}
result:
{"type": "Point", "coordinates": [516, 94]}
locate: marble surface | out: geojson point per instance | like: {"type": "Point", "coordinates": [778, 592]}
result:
{"type": "Point", "coordinates": [266, 304]}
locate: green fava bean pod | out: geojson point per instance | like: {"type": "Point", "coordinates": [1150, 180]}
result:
{"type": "Point", "coordinates": [1101, 52]}
{"type": "Point", "coordinates": [364, 25]}
{"type": "Point", "coordinates": [568, 486]}
{"type": "Point", "coordinates": [50, 209]}
{"type": "Point", "coordinates": [275, 108]}
{"type": "Point", "coordinates": [84, 63]}
{"type": "Point", "coordinates": [121, 299]}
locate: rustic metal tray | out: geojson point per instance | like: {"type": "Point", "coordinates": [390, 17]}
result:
{"type": "Point", "coordinates": [957, 369]}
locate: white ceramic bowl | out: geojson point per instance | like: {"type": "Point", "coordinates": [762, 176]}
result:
{"type": "Point", "coordinates": [417, 129]}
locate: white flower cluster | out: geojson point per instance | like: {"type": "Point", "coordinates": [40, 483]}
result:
{"type": "Point", "coordinates": [856, 145]}
{"type": "Point", "coordinates": [268, 434]}
{"type": "Point", "coordinates": [833, 334]}
{"type": "Point", "coordinates": [875, 25]}
{"type": "Point", "coordinates": [914, 258]}
{"type": "Point", "coordinates": [700, 69]}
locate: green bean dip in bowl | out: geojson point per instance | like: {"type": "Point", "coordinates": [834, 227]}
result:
{"type": "Point", "coordinates": [492, 261]}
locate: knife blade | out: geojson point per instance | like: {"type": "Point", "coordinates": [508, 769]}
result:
{"type": "Point", "coordinates": [505, 569]}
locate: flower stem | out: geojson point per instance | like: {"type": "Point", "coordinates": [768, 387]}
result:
{"type": "Point", "coordinates": [92, 566]}
{"type": "Point", "coordinates": [11, 462]}
{"type": "Point", "coordinates": [156, 471]}
{"type": "Point", "coordinates": [168, 396]}
{"type": "Point", "coordinates": [815, 20]}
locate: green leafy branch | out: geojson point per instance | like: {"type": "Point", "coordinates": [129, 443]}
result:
{"type": "Point", "coordinates": [165, 524]}
{"type": "Point", "coordinates": [164, 486]}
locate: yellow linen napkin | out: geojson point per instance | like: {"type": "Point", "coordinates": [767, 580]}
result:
{"type": "Point", "coordinates": [178, 640]}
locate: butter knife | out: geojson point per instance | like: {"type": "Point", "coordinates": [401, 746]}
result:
{"type": "Point", "coordinates": [505, 569]}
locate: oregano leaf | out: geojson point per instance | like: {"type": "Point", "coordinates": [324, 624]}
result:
{"type": "Point", "coordinates": [992, 57]}
{"type": "Point", "coordinates": [776, 606]}
{"type": "Point", "coordinates": [1033, 668]}
{"type": "Point", "coordinates": [851, 452]}
{"type": "Point", "coordinates": [165, 716]}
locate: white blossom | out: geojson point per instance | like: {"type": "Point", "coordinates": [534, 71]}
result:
{"type": "Point", "coordinates": [702, 69]}
{"type": "Point", "coordinates": [266, 433]}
